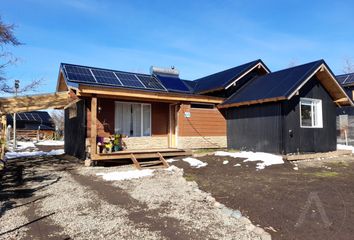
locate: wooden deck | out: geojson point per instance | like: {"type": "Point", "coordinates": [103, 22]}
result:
{"type": "Point", "coordinates": [142, 154]}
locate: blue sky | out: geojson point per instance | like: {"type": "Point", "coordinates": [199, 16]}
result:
{"type": "Point", "coordinates": [197, 37]}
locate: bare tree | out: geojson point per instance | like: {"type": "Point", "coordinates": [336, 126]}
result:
{"type": "Point", "coordinates": [58, 119]}
{"type": "Point", "coordinates": [8, 38]}
{"type": "Point", "coordinates": [348, 66]}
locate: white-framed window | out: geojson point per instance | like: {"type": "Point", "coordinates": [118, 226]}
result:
{"type": "Point", "coordinates": [132, 119]}
{"type": "Point", "coordinates": [311, 113]}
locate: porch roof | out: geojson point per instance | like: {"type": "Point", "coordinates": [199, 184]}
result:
{"type": "Point", "coordinates": [104, 92]}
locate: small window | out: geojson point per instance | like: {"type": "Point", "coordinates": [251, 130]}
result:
{"type": "Point", "coordinates": [310, 113]}
{"type": "Point", "coordinates": [202, 105]}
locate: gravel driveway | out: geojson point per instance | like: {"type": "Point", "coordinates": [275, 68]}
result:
{"type": "Point", "coordinates": [55, 197]}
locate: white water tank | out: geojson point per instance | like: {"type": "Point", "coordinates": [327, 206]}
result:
{"type": "Point", "coordinates": [164, 71]}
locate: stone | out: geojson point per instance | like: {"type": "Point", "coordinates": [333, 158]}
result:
{"type": "Point", "coordinates": [88, 163]}
{"type": "Point", "coordinates": [250, 227]}
{"type": "Point", "coordinates": [227, 211]}
{"type": "Point", "coordinates": [244, 220]}
{"type": "Point", "coordinates": [236, 214]}
{"type": "Point", "coordinates": [266, 236]}
{"type": "Point", "coordinates": [258, 230]}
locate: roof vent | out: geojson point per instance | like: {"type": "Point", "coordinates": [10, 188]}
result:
{"type": "Point", "coordinates": [172, 71]}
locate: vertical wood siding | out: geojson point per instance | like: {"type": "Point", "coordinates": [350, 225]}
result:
{"type": "Point", "coordinates": [75, 132]}
{"type": "Point", "coordinates": [310, 139]}
{"type": "Point", "coordinates": [255, 128]}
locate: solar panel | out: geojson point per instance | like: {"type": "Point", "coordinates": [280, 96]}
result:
{"type": "Point", "coordinates": [22, 116]}
{"type": "Point", "coordinates": [30, 116]}
{"type": "Point", "coordinates": [129, 80]}
{"type": "Point", "coordinates": [173, 83]}
{"type": "Point", "coordinates": [150, 82]}
{"type": "Point", "coordinates": [106, 77]}
{"type": "Point", "coordinates": [37, 117]}
{"type": "Point", "coordinates": [79, 74]}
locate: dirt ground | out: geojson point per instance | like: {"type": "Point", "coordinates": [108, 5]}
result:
{"type": "Point", "coordinates": [55, 197]}
{"type": "Point", "coordinates": [314, 202]}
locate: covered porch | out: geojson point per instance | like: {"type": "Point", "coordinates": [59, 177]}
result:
{"type": "Point", "coordinates": [146, 122]}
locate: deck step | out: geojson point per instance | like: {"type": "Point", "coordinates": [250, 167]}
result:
{"type": "Point", "coordinates": [160, 163]}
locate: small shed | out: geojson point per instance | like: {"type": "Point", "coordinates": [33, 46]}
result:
{"type": "Point", "coordinates": [288, 111]}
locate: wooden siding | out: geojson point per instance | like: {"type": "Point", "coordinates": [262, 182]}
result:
{"type": "Point", "coordinates": [202, 122]}
{"type": "Point", "coordinates": [105, 118]}
{"type": "Point", "coordinates": [74, 131]}
{"type": "Point", "coordinates": [255, 128]}
{"type": "Point", "coordinates": [310, 139]}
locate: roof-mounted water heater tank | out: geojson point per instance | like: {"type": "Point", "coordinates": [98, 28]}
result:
{"type": "Point", "coordinates": [164, 71]}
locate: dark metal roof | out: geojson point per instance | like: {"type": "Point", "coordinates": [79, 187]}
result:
{"type": "Point", "coordinates": [222, 79]}
{"type": "Point", "coordinates": [280, 84]}
{"type": "Point", "coordinates": [346, 79]}
{"type": "Point", "coordinates": [40, 117]}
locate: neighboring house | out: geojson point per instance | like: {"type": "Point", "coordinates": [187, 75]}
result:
{"type": "Point", "coordinates": [29, 123]}
{"type": "Point", "coordinates": [288, 111]}
{"type": "Point", "coordinates": [153, 112]}
{"type": "Point", "coordinates": [345, 115]}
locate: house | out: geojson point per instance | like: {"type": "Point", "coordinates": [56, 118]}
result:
{"type": "Point", "coordinates": [32, 124]}
{"type": "Point", "coordinates": [157, 112]}
{"type": "Point", "coordinates": [345, 115]}
{"type": "Point", "coordinates": [288, 111]}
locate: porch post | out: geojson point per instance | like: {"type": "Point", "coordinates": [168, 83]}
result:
{"type": "Point", "coordinates": [93, 126]}
{"type": "Point", "coordinates": [3, 136]}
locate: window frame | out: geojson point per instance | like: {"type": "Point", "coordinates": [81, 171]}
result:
{"type": "Point", "coordinates": [141, 117]}
{"type": "Point", "coordinates": [316, 112]}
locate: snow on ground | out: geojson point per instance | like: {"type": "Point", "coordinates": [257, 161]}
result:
{"type": "Point", "coordinates": [345, 147]}
{"type": "Point", "coordinates": [195, 162]}
{"type": "Point", "coordinates": [225, 162]}
{"type": "Point", "coordinates": [126, 175]}
{"type": "Point", "coordinates": [21, 145]}
{"type": "Point", "coordinates": [50, 143]}
{"type": "Point", "coordinates": [11, 155]}
{"type": "Point", "coordinates": [266, 159]}
{"type": "Point", "coordinates": [171, 160]}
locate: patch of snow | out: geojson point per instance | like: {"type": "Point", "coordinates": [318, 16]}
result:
{"type": "Point", "coordinates": [267, 159]}
{"type": "Point", "coordinates": [11, 155]}
{"type": "Point", "coordinates": [296, 168]}
{"type": "Point", "coordinates": [237, 165]}
{"type": "Point", "coordinates": [50, 143]}
{"type": "Point", "coordinates": [172, 160]}
{"type": "Point", "coordinates": [225, 162]}
{"type": "Point", "coordinates": [21, 145]}
{"type": "Point", "coordinates": [345, 147]}
{"type": "Point", "coordinates": [195, 162]}
{"type": "Point", "coordinates": [126, 175]}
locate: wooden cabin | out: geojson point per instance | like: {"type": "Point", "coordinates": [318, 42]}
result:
{"type": "Point", "coordinates": [150, 113]}
{"type": "Point", "coordinates": [288, 111]}
{"type": "Point", "coordinates": [30, 125]}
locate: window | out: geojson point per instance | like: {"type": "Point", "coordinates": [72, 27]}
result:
{"type": "Point", "coordinates": [132, 119]}
{"type": "Point", "coordinates": [310, 113]}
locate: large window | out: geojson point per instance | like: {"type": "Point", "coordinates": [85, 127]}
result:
{"type": "Point", "coordinates": [311, 113]}
{"type": "Point", "coordinates": [132, 119]}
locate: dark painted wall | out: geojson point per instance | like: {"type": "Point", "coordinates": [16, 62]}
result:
{"type": "Point", "coordinates": [265, 127]}
{"type": "Point", "coordinates": [309, 139]}
{"type": "Point", "coordinates": [75, 132]}
{"type": "Point", "coordinates": [255, 127]}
